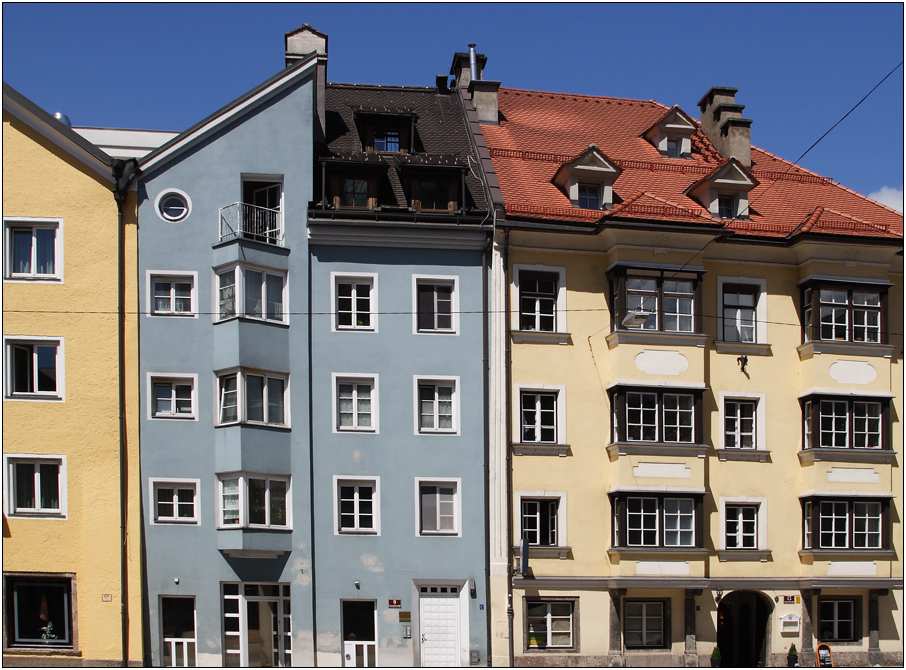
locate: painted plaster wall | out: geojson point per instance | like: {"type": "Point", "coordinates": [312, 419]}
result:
{"type": "Point", "coordinates": [273, 140]}
{"type": "Point", "coordinates": [82, 310]}
{"type": "Point", "coordinates": [386, 565]}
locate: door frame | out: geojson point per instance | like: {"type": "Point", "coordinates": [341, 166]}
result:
{"type": "Point", "coordinates": [343, 630]}
{"type": "Point", "coordinates": [463, 622]}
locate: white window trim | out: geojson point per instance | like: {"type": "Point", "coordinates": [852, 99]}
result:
{"type": "Point", "coordinates": [375, 481]}
{"type": "Point", "coordinates": [243, 476]}
{"type": "Point", "coordinates": [239, 270]}
{"type": "Point", "coordinates": [457, 505]}
{"type": "Point", "coordinates": [562, 537]}
{"type": "Point", "coordinates": [361, 277]}
{"type": "Point", "coordinates": [153, 482]}
{"type": "Point", "coordinates": [9, 504]}
{"type": "Point", "coordinates": [153, 377]}
{"type": "Point", "coordinates": [60, 394]}
{"type": "Point", "coordinates": [170, 275]}
{"type": "Point", "coordinates": [241, 396]}
{"type": "Point", "coordinates": [560, 390]}
{"type": "Point", "coordinates": [31, 222]}
{"type": "Point", "coordinates": [760, 419]}
{"type": "Point", "coordinates": [761, 520]}
{"type": "Point", "coordinates": [560, 303]}
{"type": "Point", "coordinates": [445, 380]}
{"type": "Point", "coordinates": [761, 307]}
{"type": "Point", "coordinates": [450, 280]}
{"type": "Point", "coordinates": [337, 378]}
{"type": "Point", "coordinates": [168, 191]}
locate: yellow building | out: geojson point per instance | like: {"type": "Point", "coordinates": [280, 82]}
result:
{"type": "Point", "coordinates": [71, 512]}
{"type": "Point", "coordinates": [702, 392]}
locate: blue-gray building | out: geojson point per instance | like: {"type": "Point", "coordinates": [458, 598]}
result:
{"type": "Point", "coordinates": [224, 345]}
{"type": "Point", "coordinates": [399, 228]}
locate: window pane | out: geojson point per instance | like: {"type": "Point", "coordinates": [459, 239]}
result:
{"type": "Point", "coordinates": [23, 380]}
{"type": "Point", "coordinates": [254, 397]}
{"type": "Point", "coordinates": [253, 293]}
{"type": "Point", "coordinates": [25, 485]}
{"type": "Point", "coordinates": [275, 400]}
{"type": "Point", "coordinates": [258, 501]}
{"type": "Point", "coordinates": [274, 297]}
{"type": "Point", "coordinates": [278, 502]}
{"type": "Point", "coordinates": [50, 486]}
{"type": "Point", "coordinates": [22, 240]}
{"type": "Point", "coordinates": [230, 489]}
{"type": "Point", "coordinates": [47, 368]}
{"type": "Point", "coordinates": [183, 292]}
{"type": "Point", "coordinates": [228, 399]}
{"type": "Point", "coordinates": [227, 294]}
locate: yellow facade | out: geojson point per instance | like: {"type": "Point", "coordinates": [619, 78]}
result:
{"type": "Point", "coordinates": [586, 363]}
{"type": "Point", "coordinates": [48, 179]}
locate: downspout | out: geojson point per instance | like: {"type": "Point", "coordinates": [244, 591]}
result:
{"type": "Point", "coordinates": [122, 181]}
{"type": "Point", "coordinates": [311, 468]}
{"type": "Point", "coordinates": [486, 391]}
{"type": "Point", "coordinates": [508, 442]}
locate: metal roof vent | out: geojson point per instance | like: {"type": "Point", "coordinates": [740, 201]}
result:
{"type": "Point", "coordinates": [62, 118]}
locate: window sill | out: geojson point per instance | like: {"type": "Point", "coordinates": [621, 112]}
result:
{"type": "Point", "coordinates": [34, 280]}
{"type": "Point", "coordinates": [175, 522]}
{"type": "Point", "coordinates": [536, 551]}
{"type": "Point", "coordinates": [847, 455]}
{"type": "Point", "coordinates": [809, 349]}
{"type": "Point", "coordinates": [37, 515]}
{"type": "Point", "coordinates": [655, 337]}
{"type": "Point", "coordinates": [851, 554]}
{"type": "Point", "coordinates": [540, 337]}
{"type": "Point", "coordinates": [761, 455]}
{"type": "Point", "coordinates": [40, 651]}
{"type": "Point", "coordinates": [357, 532]}
{"type": "Point", "coordinates": [174, 417]}
{"type": "Point", "coordinates": [33, 397]}
{"type": "Point", "coordinates": [744, 555]}
{"type": "Point", "coordinates": [184, 315]}
{"type": "Point", "coordinates": [672, 552]}
{"type": "Point", "coordinates": [748, 348]}
{"type": "Point", "coordinates": [656, 449]}
{"type": "Point", "coordinates": [351, 329]}
{"type": "Point", "coordinates": [540, 449]}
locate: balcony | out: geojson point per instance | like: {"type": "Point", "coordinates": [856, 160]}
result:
{"type": "Point", "coordinates": [250, 222]}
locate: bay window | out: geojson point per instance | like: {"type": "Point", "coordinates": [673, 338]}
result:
{"type": "Point", "coordinates": [665, 301]}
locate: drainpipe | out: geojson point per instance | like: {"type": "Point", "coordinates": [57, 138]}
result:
{"type": "Point", "coordinates": [486, 384]}
{"type": "Point", "coordinates": [509, 440]}
{"type": "Point", "coordinates": [124, 173]}
{"type": "Point", "coordinates": [311, 463]}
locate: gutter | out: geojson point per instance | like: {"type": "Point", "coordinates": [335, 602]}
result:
{"type": "Point", "coordinates": [507, 442]}
{"type": "Point", "coordinates": [124, 173]}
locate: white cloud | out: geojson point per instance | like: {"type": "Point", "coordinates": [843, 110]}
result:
{"type": "Point", "coordinates": [892, 197]}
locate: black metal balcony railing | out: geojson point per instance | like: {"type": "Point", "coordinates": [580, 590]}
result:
{"type": "Point", "coordinates": [241, 220]}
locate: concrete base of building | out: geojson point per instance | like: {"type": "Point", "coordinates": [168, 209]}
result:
{"type": "Point", "coordinates": [16, 661]}
{"type": "Point", "coordinates": [842, 659]}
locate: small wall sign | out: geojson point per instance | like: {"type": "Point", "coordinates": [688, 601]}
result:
{"type": "Point", "coordinates": [405, 617]}
{"type": "Point", "coordinates": [789, 600]}
{"type": "Point", "coordinates": [107, 597]}
{"type": "Point", "coordinates": [394, 603]}
{"type": "Point", "coordinates": [825, 658]}
{"type": "Point", "coordinates": [789, 623]}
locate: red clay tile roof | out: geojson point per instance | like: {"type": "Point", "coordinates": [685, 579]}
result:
{"type": "Point", "coordinates": [541, 131]}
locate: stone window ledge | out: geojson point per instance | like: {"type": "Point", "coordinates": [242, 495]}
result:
{"type": "Point", "coordinates": [540, 337]}
{"type": "Point", "coordinates": [847, 455]}
{"type": "Point", "coordinates": [744, 555]}
{"type": "Point", "coordinates": [539, 449]}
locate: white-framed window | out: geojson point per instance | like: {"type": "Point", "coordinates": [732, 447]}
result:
{"type": "Point", "coordinates": [540, 417]}
{"type": "Point", "coordinates": [38, 610]}
{"type": "Point", "coordinates": [542, 517]}
{"type": "Point", "coordinates": [173, 205]}
{"type": "Point", "coordinates": [353, 299]}
{"type": "Point", "coordinates": [252, 500]}
{"type": "Point", "coordinates": [741, 416]}
{"type": "Point", "coordinates": [656, 520]}
{"type": "Point", "coordinates": [743, 522]}
{"type": "Point", "coordinates": [845, 524]}
{"type": "Point", "coordinates": [541, 298]}
{"type": "Point", "coordinates": [174, 500]}
{"type": "Point", "coordinates": [35, 486]}
{"type": "Point", "coordinates": [435, 304]}
{"type": "Point", "coordinates": [742, 310]}
{"type": "Point", "coordinates": [659, 417]}
{"type": "Point", "coordinates": [355, 403]}
{"type": "Point", "coordinates": [436, 405]}
{"type": "Point", "coordinates": [645, 624]}
{"type": "Point", "coordinates": [177, 631]}
{"type": "Point", "coordinates": [357, 505]}
{"type": "Point", "coordinates": [34, 368]}
{"type": "Point", "coordinates": [846, 423]}
{"type": "Point", "coordinates": [170, 293]}
{"type": "Point", "coordinates": [438, 506]}
{"type": "Point", "coordinates": [34, 249]}
{"type": "Point", "coordinates": [253, 396]}
{"type": "Point", "coordinates": [649, 299]}
{"type": "Point", "coordinates": [550, 624]}
{"type": "Point", "coordinates": [589, 195]}
{"type": "Point", "coordinates": [846, 312]}
{"type": "Point", "coordinates": [252, 292]}
{"type": "Point", "coordinates": [257, 625]}
{"type": "Point", "coordinates": [172, 396]}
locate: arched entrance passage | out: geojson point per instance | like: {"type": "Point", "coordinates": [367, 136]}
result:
{"type": "Point", "coordinates": [742, 622]}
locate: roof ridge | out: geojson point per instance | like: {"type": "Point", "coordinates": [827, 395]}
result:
{"type": "Point", "coordinates": [584, 95]}
{"type": "Point", "coordinates": [382, 87]}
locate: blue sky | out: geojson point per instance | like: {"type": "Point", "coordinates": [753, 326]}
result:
{"type": "Point", "coordinates": [798, 67]}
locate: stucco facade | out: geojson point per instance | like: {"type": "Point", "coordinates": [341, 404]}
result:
{"type": "Point", "coordinates": [224, 382]}
{"type": "Point", "coordinates": [63, 456]}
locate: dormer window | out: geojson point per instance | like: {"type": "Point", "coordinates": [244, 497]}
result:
{"type": "Point", "coordinates": [725, 192]}
{"type": "Point", "coordinates": [672, 135]}
{"type": "Point", "coordinates": [354, 193]}
{"type": "Point", "coordinates": [673, 148]}
{"type": "Point", "coordinates": [433, 195]}
{"type": "Point", "coordinates": [386, 130]}
{"type": "Point", "coordinates": [588, 180]}
{"type": "Point", "coordinates": [386, 139]}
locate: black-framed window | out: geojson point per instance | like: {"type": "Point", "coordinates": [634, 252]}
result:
{"type": "Point", "coordinates": [539, 521]}
{"type": "Point", "coordinates": [839, 619]}
{"type": "Point", "coordinates": [386, 139]}
{"type": "Point", "coordinates": [538, 300]}
{"type": "Point", "coordinates": [656, 415]}
{"type": "Point", "coordinates": [738, 303]}
{"type": "Point", "coordinates": [835, 422]}
{"type": "Point", "coordinates": [845, 523]}
{"type": "Point", "coordinates": [646, 624]}
{"type": "Point", "coordinates": [727, 205]}
{"type": "Point", "coordinates": [590, 196]}
{"type": "Point", "coordinates": [843, 312]}
{"type": "Point", "coordinates": [551, 624]}
{"type": "Point", "coordinates": [39, 611]}
{"type": "Point", "coordinates": [669, 301]}
{"type": "Point", "coordinates": [657, 520]}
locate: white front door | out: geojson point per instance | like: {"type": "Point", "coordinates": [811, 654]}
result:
{"type": "Point", "coordinates": [438, 611]}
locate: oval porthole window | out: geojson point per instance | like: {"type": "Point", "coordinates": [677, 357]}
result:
{"type": "Point", "coordinates": [173, 205]}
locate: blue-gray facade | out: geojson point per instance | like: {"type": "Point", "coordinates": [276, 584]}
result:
{"type": "Point", "coordinates": [224, 350]}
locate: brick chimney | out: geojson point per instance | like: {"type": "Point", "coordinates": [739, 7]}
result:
{"type": "Point", "coordinates": [299, 44]}
{"type": "Point", "coordinates": [723, 124]}
{"type": "Point", "coordinates": [483, 93]}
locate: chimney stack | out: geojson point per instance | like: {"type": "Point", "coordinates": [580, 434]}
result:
{"type": "Point", "coordinates": [467, 70]}
{"type": "Point", "coordinates": [299, 44]}
{"type": "Point", "coordinates": [723, 124]}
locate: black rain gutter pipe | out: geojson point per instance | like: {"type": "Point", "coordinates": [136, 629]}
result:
{"type": "Point", "coordinates": [486, 392]}
{"type": "Point", "coordinates": [507, 444]}
{"type": "Point", "coordinates": [124, 173]}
